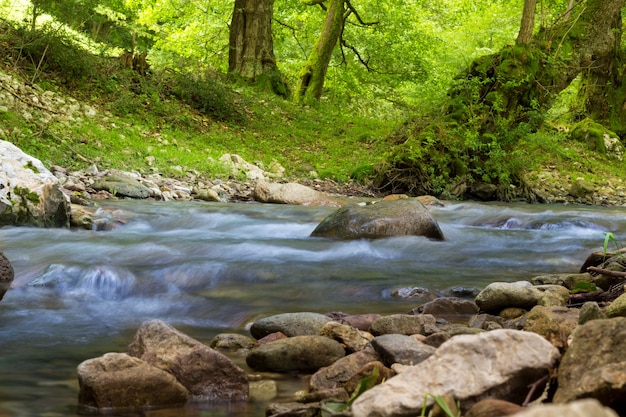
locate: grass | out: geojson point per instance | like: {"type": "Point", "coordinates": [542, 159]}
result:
{"type": "Point", "coordinates": [178, 124]}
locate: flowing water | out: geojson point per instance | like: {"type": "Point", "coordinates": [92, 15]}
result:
{"type": "Point", "coordinates": [211, 268]}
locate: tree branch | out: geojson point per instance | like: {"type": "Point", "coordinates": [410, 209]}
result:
{"type": "Point", "coordinates": [358, 17]}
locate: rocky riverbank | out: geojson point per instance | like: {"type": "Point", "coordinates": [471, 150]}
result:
{"type": "Point", "coordinates": [524, 348]}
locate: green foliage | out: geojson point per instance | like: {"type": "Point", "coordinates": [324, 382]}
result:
{"type": "Point", "coordinates": [207, 95]}
{"type": "Point", "coordinates": [583, 287]}
{"type": "Point", "coordinates": [439, 400]}
{"type": "Point", "coordinates": [333, 408]}
{"type": "Point", "coordinates": [608, 236]}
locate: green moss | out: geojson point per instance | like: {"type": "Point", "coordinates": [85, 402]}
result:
{"type": "Point", "coordinates": [29, 165]}
{"type": "Point", "coordinates": [27, 194]}
{"type": "Point", "coordinates": [591, 134]}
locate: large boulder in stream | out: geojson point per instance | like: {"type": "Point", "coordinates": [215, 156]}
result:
{"type": "Point", "coordinates": [206, 373]}
{"type": "Point", "coordinates": [383, 219]}
{"type": "Point", "coordinates": [6, 275]}
{"type": "Point", "coordinates": [29, 193]}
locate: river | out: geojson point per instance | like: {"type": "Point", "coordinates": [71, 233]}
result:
{"type": "Point", "coordinates": [208, 268]}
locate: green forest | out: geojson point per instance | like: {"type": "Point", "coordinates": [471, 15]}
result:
{"type": "Point", "coordinates": [453, 98]}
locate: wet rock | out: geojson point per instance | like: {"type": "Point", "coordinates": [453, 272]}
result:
{"type": "Point", "coordinates": [581, 408]}
{"type": "Point", "coordinates": [295, 354]}
{"type": "Point", "coordinates": [352, 339]}
{"type": "Point", "coordinates": [416, 294]}
{"type": "Point", "coordinates": [553, 323]}
{"type": "Point", "coordinates": [593, 365]}
{"type": "Point", "coordinates": [590, 311]}
{"type": "Point", "coordinates": [232, 341]}
{"type": "Point", "coordinates": [290, 324]}
{"type": "Point", "coordinates": [383, 219]}
{"type": "Point", "coordinates": [206, 373]}
{"type": "Point", "coordinates": [498, 295]}
{"type": "Point", "coordinates": [406, 324]}
{"type": "Point", "coordinates": [264, 390]}
{"type": "Point", "coordinates": [122, 184]}
{"type": "Point", "coordinates": [292, 193]}
{"type": "Point", "coordinates": [29, 193]}
{"type": "Point", "coordinates": [337, 374]}
{"type": "Point", "coordinates": [448, 307]}
{"type": "Point", "coordinates": [6, 275]}
{"type": "Point", "coordinates": [293, 409]}
{"type": "Point", "coordinates": [120, 381]}
{"type": "Point", "coordinates": [469, 368]}
{"type": "Point", "coordinates": [398, 348]}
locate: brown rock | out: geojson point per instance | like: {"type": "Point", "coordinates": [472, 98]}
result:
{"type": "Point", "coordinates": [553, 323]}
{"type": "Point", "coordinates": [206, 373]}
{"type": "Point", "coordinates": [6, 275]}
{"type": "Point", "coordinates": [383, 219]}
{"type": "Point", "coordinates": [119, 381]}
{"type": "Point", "coordinates": [493, 408]}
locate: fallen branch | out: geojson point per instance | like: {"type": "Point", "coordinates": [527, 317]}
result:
{"type": "Point", "coordinates": [606, 272]}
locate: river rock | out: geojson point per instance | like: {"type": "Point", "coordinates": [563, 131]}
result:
{"type": "Point", "coordinates": [232, 341]}
{"type": "Point", "coordinates": [398, 348]}
{"type": "Point", "coordinates": [206, 373]}
{"type": "Point", "coordinates": [594, 365]}
{"type": "Point", "coordinates": [497, 364]}
{"type": "Point", "coordinates": [291, 193]}
{"type": "Point", "coordinates": [553, 295]}
{"type": "Point", "coordinates": [590, 311]}
{"type": "Point", "coordinates": [406, 324]}
{"type": "Point", "coordinates": [6, 275]}
{"type": "Point", "coordinates": [117, 380]}
{"type": "Point", "coordinates": [124, 184]}
{"type": "Point", "coordinates": [498, 295]}
{"type": "Point", "coordinates": [360, 321]}
{"type": "Point", "coordinates": [383, 219]}
{"type": "Point", "coordinates": [337, 374]}
{"type": "Point", "coordinates": [617, 308]}
{"type": "Point", "coordinates": [295, 354]}
{"type": "Point", "coordinates": [29, 193]}
{"type": "Point", "coordinates": [581, 408]}
{"type": "Point", "coordinates": [290, 324]}
{"type": "Point", "coordinates": [352, 339]}
{"type": "Point", "coordinates": [448, 307]}
{"type": "Point", "coordinates": [553, 323]}
{"type": "Point", "coordinates": [492, 407]}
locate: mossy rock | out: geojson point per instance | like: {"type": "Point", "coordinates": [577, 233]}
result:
{"type": "Point", "coordinates": [592, 134]}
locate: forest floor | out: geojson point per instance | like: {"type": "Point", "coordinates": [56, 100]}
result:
{"type": "Point", "coordinates": [116, 119]}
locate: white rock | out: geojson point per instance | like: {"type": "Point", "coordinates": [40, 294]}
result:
{"type": "Point", "coordinates": [499, 363]}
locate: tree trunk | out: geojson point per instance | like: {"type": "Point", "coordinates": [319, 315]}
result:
{"type": "Point", "coordinates": [527, 25]}
{"type": "Point", "coordinates": [312, 76]}
{"type": "Point", "coordinates": [251, 47]}
{"type": "Point", "coordinates": [602, 91]}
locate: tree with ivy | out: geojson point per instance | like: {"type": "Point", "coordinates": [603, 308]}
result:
{"type": "Point", "coordinates": [313, 75]}
{"type": "Point", "coordinates": [471, 147]}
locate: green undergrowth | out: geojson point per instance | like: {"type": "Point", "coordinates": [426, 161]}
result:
{"type": "Point", "coordinates": [174, 122]}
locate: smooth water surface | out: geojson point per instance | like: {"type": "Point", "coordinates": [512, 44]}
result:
{"type": "Point", "coordinates": [208, 268]}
